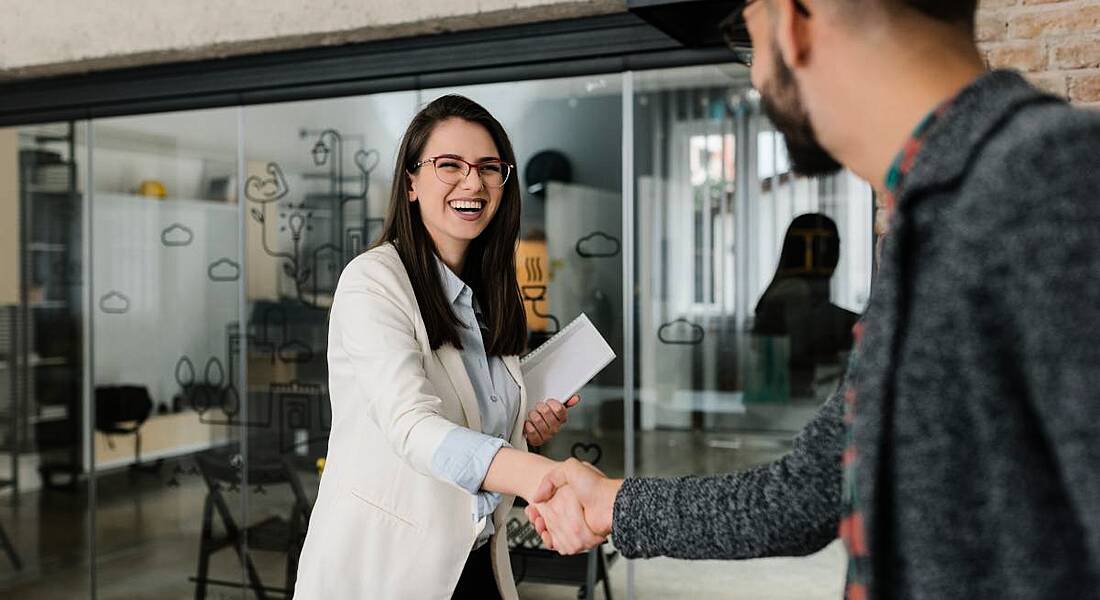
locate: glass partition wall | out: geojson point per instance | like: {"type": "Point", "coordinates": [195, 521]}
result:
{"type": "Point", "coordinates": [45, 515]}
{"type": "Point", "coordinates": [749, 281]}
{"type": "Point", "coordinates": [175, 271]}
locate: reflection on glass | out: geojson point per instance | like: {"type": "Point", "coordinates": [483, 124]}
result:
{"type": "Point", "coordinates": [797, 305]}
{"type": "Point", "coordinates": [749, 282]}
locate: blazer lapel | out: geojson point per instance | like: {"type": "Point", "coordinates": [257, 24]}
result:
{"type": "Point", "coordinates": [512, 364]}
{"type": "Point", "coordinates": [460, 379]}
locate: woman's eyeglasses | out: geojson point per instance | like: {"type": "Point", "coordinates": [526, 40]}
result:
{"type": "Point", "coordinates": [452, 170]}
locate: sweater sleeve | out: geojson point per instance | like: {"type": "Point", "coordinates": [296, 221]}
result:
{"type": "Point", "coordinates": [790, 507]}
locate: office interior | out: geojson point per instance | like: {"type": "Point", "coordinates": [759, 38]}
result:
{"type": "Point", "coordinates": [166, 277]}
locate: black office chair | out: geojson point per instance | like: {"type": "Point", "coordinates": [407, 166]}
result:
{"type": "Point", "coordinates": [272, 534]}
{"type": "Point", "coordinates": [122, 410]}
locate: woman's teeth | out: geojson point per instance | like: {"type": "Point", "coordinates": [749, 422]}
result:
{"type": "Point", "coordinates": [467, 205]}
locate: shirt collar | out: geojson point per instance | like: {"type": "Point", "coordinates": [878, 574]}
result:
{"type": "Point", "coordinates": [903, 162]}
{"type": "Point", "coordinates": [968, 121]}
{"type": "Point", "coordinates": [453, 287]}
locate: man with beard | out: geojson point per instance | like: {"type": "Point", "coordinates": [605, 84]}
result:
{"type": "Point", "coordinates": [960, 457]}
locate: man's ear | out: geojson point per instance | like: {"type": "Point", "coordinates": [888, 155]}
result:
{"type": "Point", "coordinates": [792, 33]}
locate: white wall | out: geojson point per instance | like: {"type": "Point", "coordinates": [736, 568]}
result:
{"type": "Point", "coordinates": [50, 37]}
{"type": "Point", "coordinates": [172, 308]}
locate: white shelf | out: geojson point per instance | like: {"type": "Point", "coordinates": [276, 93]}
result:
{"type": "Point", "coordinates": [49, 304]}
{"type": "Point", "coordinates": [39, 362]}
{"type": "Point", "coordinates": [50, 414]}
{"type": "Point", "coordinates": [170, 201]}
{"type": "Point", "coordinates": [46, 247]}
{"type": "Point", "coordinates": [50, 190]}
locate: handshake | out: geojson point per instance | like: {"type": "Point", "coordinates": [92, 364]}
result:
{"type": "Point", "coordinates": [572, 507]}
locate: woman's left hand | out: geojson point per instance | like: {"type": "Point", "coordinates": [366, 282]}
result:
{"type": "Point", "coordinates": [546, 419]}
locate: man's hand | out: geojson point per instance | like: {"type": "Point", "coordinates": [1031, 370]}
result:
{"type": "Point", "coordinates": [563, 519]}
{"type": "Point", "coordinates": [546, 419]}
{"type": "Point", "coordinates": [591, 488]}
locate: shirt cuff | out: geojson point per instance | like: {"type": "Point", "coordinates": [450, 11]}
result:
{"type": "Point", "coordinates": [487, 502]}
{"type": "Point", "coordinates": [463, 458]}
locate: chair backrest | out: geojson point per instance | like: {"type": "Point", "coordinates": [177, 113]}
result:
{"type": "Point", "coordinates": [221, 466]}
{"type": "Point", "coordinates": [118, 404]}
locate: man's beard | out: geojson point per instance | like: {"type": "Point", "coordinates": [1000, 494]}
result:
{"type": "Point", "coordinates": [782, 102]}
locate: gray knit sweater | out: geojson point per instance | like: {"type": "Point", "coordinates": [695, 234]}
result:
{"type": "Point", "coordinates": [790, 507]}
{"type": "Point", "coordinates": [978, 425]}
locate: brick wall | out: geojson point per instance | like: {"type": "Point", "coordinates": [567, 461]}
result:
{"type": "Point", "coordinates": [1055, 42]}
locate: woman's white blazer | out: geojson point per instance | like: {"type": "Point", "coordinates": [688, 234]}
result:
{"type": "Point", "coordinates": [383, 526]}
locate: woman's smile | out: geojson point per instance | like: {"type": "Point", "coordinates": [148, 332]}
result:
{"type": "Point", "coordinates": [468, 209]}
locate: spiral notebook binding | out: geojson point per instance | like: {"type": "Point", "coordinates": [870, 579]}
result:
{"type": "Point", "coordinates": [535, 353]}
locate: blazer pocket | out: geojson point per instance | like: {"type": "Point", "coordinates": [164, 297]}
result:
{"type": "Point", "coordinates": [387, 512]}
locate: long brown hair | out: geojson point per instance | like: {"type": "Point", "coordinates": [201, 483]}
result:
{"type": "Point", "coordinates": [490, 267]}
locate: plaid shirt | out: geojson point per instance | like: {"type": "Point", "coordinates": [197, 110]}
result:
{"type": "Point", "coordinates": [852, 526]}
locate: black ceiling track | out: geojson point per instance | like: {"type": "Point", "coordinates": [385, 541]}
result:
{"type": "Point", "coordinates": [694, 23]}
{"type": "Point", "coordinates": [591, 45]}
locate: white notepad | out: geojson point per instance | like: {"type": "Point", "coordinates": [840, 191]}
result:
{"type": "Point", "coordinates": [563, 364]}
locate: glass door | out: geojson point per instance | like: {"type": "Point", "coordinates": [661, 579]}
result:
{"type": "Point", "coordinates": [165, 276]}
{"type": "Point", "coordinates": [749, 280]}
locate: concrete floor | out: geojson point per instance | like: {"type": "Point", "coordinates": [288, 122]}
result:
{"type": "Point", "coordinates": [147, 533]}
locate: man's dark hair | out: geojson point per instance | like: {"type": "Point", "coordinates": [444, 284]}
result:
{"type": "Point", "coordinates": [950, 11]}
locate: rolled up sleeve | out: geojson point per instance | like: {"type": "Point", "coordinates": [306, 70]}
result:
{"type": "Point", "coordinates": [463, 458]}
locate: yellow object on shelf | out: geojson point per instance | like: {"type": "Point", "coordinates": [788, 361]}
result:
{"type": "Point", "coordinates": [320, 465]}
{"type": "Point", "coordinates": [153, 189]}
{"type": "Point", "coordinates": [533, 275]}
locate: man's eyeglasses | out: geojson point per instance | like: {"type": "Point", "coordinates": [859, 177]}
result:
{"type": "Point", "coordinates": [452, 170]}
{"type": "Point", "coordinates": [736, 31]}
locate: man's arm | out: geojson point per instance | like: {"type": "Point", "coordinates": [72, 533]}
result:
{"type": "Point", "coordinates": [790, 507]}
{"type": "Point", "coordinates": [787, 508]}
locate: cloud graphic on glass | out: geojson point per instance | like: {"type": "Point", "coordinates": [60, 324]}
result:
{"type": "Point", "coordinates": [224, 269]}
{"type": "Point", "coordinates": [598, 245]}
{"type": "Point", "coordinates": [115, 303]}
{"type": "Point", "coordinates": [680, 332]}
{"type": "Point", "coordinates": [177, 235]}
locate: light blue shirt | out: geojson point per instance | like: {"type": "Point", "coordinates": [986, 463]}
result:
{"type": "Point", "coordinates": [464, 455]}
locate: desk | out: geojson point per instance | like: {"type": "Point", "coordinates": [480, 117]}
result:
{"type": "Point", "coordinates": [162, 436]}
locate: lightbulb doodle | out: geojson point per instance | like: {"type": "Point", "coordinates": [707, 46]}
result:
{"type": "Point", "coordinates": [311, 265]}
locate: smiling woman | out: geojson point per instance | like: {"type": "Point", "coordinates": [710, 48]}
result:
{"type": "Point", "coordinates": [424, 335]}
{"type": "Point", "coordinates": [472, 198]}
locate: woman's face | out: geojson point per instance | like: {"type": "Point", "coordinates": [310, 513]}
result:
{"type": "Point", "coordinates": [455, 214]}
